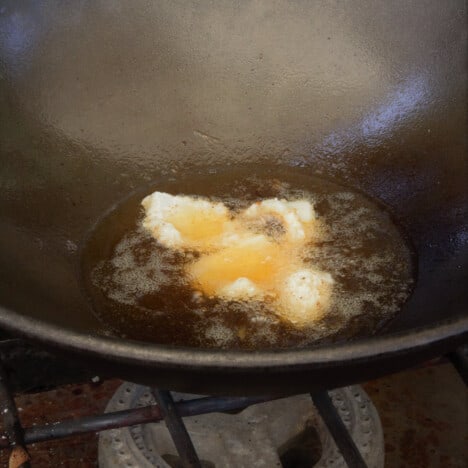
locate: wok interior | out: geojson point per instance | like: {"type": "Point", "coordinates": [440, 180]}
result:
{"type": "Point", "coordinates": [100, 98]}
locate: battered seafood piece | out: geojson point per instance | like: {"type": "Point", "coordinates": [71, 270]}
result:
{"type": "Point", "coordinates": [291, 217]}
{"type": "Point", "coordinates": [185, 223]}
{"type": "Point", "coordinates": [246, 270]}
{"type": "Point", "coordinates": [304, 296]}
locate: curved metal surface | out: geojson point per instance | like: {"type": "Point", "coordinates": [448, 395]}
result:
{"type": "Point", "coordinates": [237, 372]}
{"type": "Point", "coordinates": [98, 98]}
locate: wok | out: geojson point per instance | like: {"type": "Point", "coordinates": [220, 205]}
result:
{"type": "Point", "coordinates": [98, 98]}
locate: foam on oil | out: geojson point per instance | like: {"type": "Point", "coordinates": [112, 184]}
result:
{"type": "Point", "coordinates": [139, 289]}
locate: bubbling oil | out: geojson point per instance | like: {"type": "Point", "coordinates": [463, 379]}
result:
{"type": "Point", "coordinates": [139, 290]}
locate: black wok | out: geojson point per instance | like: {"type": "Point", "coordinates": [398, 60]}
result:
{"type": "Point", "coordinates": [98, 98]}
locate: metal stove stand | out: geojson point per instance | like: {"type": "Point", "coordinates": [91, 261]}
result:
{"type": "Point", "coordinates": [16, 438]}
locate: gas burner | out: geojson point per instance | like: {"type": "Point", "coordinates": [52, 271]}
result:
{"type": "Point", "coordinates": [283, 433]}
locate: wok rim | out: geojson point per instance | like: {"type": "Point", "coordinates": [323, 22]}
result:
{"type": "Point", "coordinates": [128, 351]}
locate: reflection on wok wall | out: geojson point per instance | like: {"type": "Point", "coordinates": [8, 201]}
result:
{"type": "Point", "coordinates": [98, 98]}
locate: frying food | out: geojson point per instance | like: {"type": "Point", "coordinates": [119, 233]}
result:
{"type": "Point", "coordinates": [252, 254]}
{"type": "Point", "coordinates": [246, 259]}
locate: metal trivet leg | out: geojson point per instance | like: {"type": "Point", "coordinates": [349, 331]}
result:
{"type": "Point", "coordinates": [19, 457]}
{"type": "Point", "coordinates": [459, 359]}
{"type": "Point", "coordinates": [275, 433]}
{"type": "Point", "coordinates": [338, 430]}
{"type": "Point", "coordinates": [177, 429]}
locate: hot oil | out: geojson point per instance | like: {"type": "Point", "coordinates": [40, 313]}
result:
{"type": "Point", "coordinates": [139, 290]}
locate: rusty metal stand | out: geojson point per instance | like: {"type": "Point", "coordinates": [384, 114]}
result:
{"type": "Point", "coordinates": [338, 430]}
{"type": "Point", "coordinates": [459, 359]}
{"type": "Point", "coordinates": [166, 410]}
{"type": "Point", "coordinates": [16, 437]}
{"type": "Point", "coordinates": [13, 434]}
{"type": "Point", "coordinates": [177, 429]}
